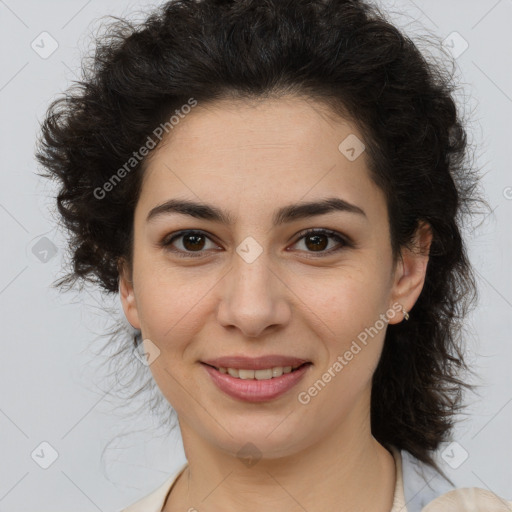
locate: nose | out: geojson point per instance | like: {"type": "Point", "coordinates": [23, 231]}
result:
{"type": "Point", "coordinates": [253, 298]}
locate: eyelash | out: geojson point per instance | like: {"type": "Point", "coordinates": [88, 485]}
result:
{"type": "Point", "coordinates": [166, 242]}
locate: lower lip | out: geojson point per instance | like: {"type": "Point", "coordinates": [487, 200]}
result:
{"type": "Point", "coordinates": [253, 390]}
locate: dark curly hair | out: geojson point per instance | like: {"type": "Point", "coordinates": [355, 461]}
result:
{"type": "Point", "coordinates": [343, 53]}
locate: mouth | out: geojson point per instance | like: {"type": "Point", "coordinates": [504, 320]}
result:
{"type": "Point", "coordinates": [261, 374]}
{"type": "Point", "coordinates": [261, 385]}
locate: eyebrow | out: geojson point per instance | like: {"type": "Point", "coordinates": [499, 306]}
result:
{"type": "Point", "coordinates": [283, 215]}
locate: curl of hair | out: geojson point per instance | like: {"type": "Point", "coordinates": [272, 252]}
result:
{"type": "Point", "coordinates": [343, 53]}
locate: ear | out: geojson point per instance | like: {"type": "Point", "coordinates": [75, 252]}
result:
{"type": "Point", "coordinates": [411, 270]}
{"type": "Point", "coordinates": [127, 294]}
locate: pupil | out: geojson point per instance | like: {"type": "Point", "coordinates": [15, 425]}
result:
{"type": "Point", "coordinates": [316, 244]}
{"type": "Point", "coordinates": [195, 242]}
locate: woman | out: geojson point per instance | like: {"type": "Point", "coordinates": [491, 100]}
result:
{"type": "Point", "coordinates": [275, 189]}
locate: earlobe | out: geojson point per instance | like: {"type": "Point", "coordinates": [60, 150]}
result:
{"type": "Point", "coordinates": [412, 269]}
{"type": "Point", "coordinates": [127, 295]}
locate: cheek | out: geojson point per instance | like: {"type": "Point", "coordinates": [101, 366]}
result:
{"type": "Point", "coordinates": [168, 301]}
{"type": "Point", "coordinates": [353, 335]}
{"type": "Point", "coordinates": [350, 301]}
{"type": "Point", "coordinates": [352, 327]}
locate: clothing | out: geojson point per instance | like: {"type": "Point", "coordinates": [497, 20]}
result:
{"type": "Point", "coordinates": [418, 488]}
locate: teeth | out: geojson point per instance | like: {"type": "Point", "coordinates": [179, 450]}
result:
{"type": "Point", "coordinates": [245, 374]}
{"type": "Point", "coordinates": [265, 374]}
{"type": "Point", "coordinates": [277, 371]}
{"type": "Point", "coordinates": [233, 372]}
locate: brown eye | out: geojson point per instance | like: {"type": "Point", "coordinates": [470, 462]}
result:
{"type": "Point", "coordinates": [317, 240]}
{"type": "Point", "coordinates": [186, 243]}
{"type": "Point", "coordinates": [193, 242]}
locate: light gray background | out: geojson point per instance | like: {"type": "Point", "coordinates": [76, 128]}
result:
{"type": "Point", "coordinates": [49, 394]}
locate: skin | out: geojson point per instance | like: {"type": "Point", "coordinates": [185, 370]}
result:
{"type": "Point", "coordinates": [250, 158]}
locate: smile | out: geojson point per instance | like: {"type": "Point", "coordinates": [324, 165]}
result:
{"type": "Point", "coordinates": [256, 385]}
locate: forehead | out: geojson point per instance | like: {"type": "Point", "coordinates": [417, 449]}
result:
{"type": "Point", "coordinates": [266, 126]}
{"type": "Point", "coordinates": [259, 153]}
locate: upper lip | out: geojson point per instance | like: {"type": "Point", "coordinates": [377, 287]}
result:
{"type": "Point", "coordinates": [255, 363]}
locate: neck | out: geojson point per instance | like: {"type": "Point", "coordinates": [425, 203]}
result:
{"type": "Point", "coordinates": [346, 471]}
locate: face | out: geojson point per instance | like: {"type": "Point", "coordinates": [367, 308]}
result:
{"type": "Point", "coordinates": [202, 287]}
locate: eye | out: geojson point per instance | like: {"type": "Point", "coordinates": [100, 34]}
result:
{"type": "Point", "coordinates": [317, 240]}
{"type": "Point", "coordinates": [194, 242]}
{"type": "Point", "coordinates": [191, 241]}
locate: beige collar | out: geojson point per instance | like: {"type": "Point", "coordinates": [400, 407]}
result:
{"type": "Point", "coordinates": [398, 497]}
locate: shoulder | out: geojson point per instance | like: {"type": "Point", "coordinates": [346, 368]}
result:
{"type": "Point", "coordinates": [427, 490]}
{"type": "Point", "coordinates": [154, 501]}
{"type": "Point", "coordinates": [467, 500]}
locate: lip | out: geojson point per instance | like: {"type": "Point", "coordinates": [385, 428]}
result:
{"type": "Point", "coordinates": [255, 363]}
{"type": "Point", "coordinates": [252, 390]}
